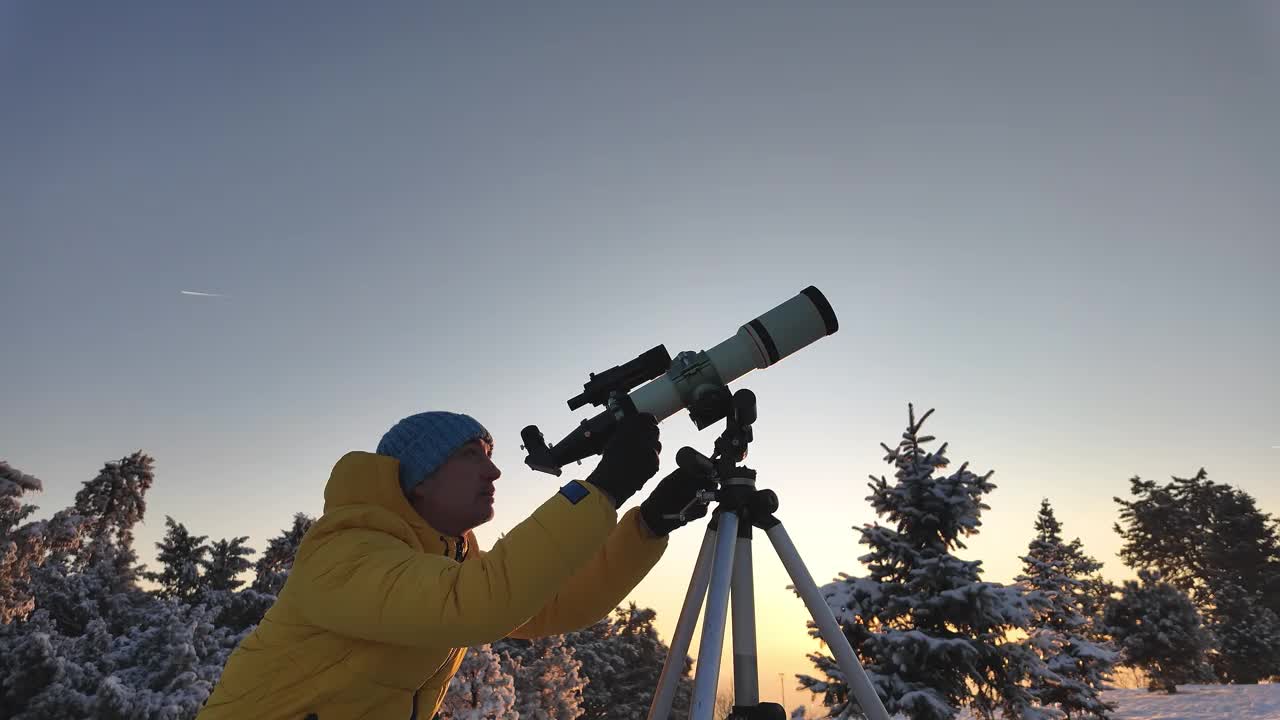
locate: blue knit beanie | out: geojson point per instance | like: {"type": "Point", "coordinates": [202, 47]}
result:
{"type": "Point", "coordinates": [424, 441]}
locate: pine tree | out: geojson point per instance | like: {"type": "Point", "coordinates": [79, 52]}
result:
{"type": "Point", "coordinates": [931, 635]}
{"type": "Point", "coordinates": [46, 673]}
{"type": "Point", "coordinates": [272, 569]}
{"type": "Point", "coordinates": [182, 555]}
{"type": "Point", "coordinates": [95, 573]}
{"type": "Point", "coordinates": [622, 658]}
{"type": "Point", "coordinates": [162, 668]}
{"type": "Point", "coordinates": [166, 668]}
{"type": "Point", "coordinates": [1095, 592]}
{"type": "Point", "coordinates": [1077, 666]}
{"type": "Point", "coordinates": [723, 707]}
{"type": "Point", "coordinates": [481, 690]}
{"type": "Point", "coordinates": [1195, 531]}
{"type": "Point", "coordinates": [238, 609]}
{"type": "Point", "coordinates": [1211, 541]}
{"type": "Point", "coordinates": [1159, 630]}
{"type": "Point", "coordinates": [96, 645]}
{"type": "Point", "coordinates": [1247, 634]}
{"type": "Point", "coordinates": [20, 545]}
{"type": "Point", "coordinates": [227, 561]}
{"type": "Point", "coordinates": [548, 679]}
{"type": "Point", "coordinates": [111, 505]}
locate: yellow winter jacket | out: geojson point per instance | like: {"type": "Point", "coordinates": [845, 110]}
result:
{"type": "Point", "coordinates": [379, 607]}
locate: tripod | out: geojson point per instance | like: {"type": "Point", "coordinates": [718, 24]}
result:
{"type": "Point", "coordinates": [724, 565]}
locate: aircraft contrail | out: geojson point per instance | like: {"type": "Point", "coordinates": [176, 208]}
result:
{"type": "Point", "coordinates": [202, 294]}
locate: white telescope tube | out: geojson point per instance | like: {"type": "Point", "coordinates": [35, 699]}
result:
{"type": "Point", "coordinates": [697, 380]}
{"type": "Point", "coordinates": [782, 331]}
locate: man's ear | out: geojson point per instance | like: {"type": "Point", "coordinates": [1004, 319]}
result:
{"type": "Point", "coordinates": [423, 487]}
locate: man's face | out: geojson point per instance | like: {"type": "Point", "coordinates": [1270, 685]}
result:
{"type": "Point", "coordinates": [459, 495]}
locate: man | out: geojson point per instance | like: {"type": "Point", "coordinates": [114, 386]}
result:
{"type": "Point", "coordinates": [388, 588]}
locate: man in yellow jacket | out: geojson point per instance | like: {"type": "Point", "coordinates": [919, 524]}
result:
{"type": "Point", "coordinates": [388, 588]}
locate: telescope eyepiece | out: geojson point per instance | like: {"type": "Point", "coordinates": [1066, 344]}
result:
{"type": "Point", "coordinates": [532, 439]}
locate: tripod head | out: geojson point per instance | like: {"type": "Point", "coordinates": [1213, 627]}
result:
{"type": "Point", "coordinates": [731, 446]}
{"type": "Point", "coordinates": [735, 483]}
{"type": "Point", "coordinates": [739, 412]}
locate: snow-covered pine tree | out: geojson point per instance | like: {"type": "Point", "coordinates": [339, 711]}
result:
{"type": "Point", "coordinates": [95, 575]}
{"type": "Point", "coordinates": [166, 668]}
{"type": "Point", "coordinates": [227, 562]}
{"type": "Point", "coordinates": [481, 690]}
{"type": "Point", "coordinates": [162, 669]}
{"type": "Point", "coordinates": [1211, 541]}
{"type": "Point", "coordinates": [1078, 666]}
{"type": "Point", "coordinates": [110, 505]}
{"type": "Point", "coordinates": [548, 681]}
{"type": "Point", "coordinates": [1195, 531]}
{"type": "Point", "coordinates": [931, 635]}
{"type": "Point", "coordinates": [238, 609]}
{"type": "Point", "coordinates": [1247, 634]}
{"type": "Point", "coordinates": [272, 569]}
{"type": "Point", "coordinates": [1096, 592]}
{"type": "Point", "coordinates": [181, 557]}
{"type": "Point", "coordinates": [621, 659]}
{"type": "Point", "coordinates": [1242, 589]}
{"type": "Point", "coordinates": [96, 645]}
{"type": "Point", "coordinates": [242, 609]}
{"type": "Point", "coordinates": [21, 546]}
{"type": "Point", "coordinates": [1158, 629]}
{"type": "Point", "coordinates": [46, 673]}
{"type": "Point", "coordinates": [723, 706]}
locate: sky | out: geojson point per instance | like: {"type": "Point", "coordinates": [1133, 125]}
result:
{"type": "Point", "coordinates": [1056, 225]}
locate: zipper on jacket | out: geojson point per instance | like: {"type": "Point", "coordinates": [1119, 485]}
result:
{"type": "Point", "coordinates": [459, 552]}
{"type": "Point", "coordinates": [457, 547]}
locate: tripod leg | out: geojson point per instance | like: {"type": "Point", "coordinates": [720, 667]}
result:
{"type": "Point", "coordinates": [746, 677]}
{"type": "Point", "coordinates": [660, 708]}
{"type": "Point", "coordinates": [857, 678]}
{"type": "Point", "coordinates": [712, 644]}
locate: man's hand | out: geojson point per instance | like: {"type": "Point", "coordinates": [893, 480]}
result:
{"type": "Point", "coordinates": [672, 495]}
{"type": "Point", "coordinates": [629, 459]}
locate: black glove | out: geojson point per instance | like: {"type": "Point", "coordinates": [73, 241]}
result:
{"type": "Point", "coordinates": [629, 459]}
{"type": "Point", "coordinates": [672, 494]}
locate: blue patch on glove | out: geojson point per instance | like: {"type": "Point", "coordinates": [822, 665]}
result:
{"type": "Point", "coordinates": [574, 491]}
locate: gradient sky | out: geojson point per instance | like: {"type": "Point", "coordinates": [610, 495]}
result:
{"type": "Point", "coordinates": [1056, 225]}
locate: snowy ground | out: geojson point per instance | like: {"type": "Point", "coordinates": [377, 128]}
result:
{"type": "Point", "coordinates": [1194, 702]}
{"type": "Point", "coordinates": [1199, 702]}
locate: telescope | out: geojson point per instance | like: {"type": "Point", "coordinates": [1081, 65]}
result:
{"type": "Point", "coordinates": [697, 381]}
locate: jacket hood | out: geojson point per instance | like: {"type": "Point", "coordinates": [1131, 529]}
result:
{"type": "Point", "coordinates": [368, 479]}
